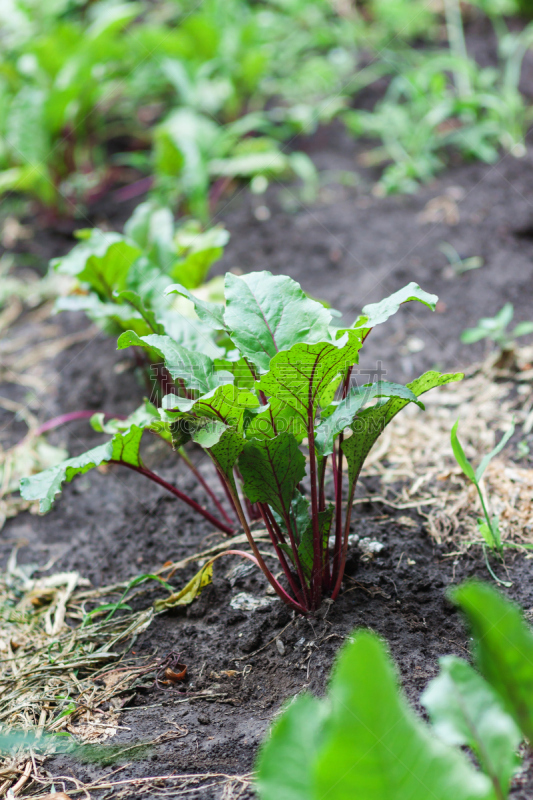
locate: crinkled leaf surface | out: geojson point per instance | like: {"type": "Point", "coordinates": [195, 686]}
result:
{"type": "Point", "coordinates": [376, 747]}
{"type": "Point", "coordinates": [271, 469]}
{"type": "Point", "coordinates": [226, 451]}
{"type": "Point", "coordinates": [370, 423]}
{"type": "Point", "coordinates": [189, 592]}
{"type": "Point", "coordinates": [274, 418]}
{"type": "Point", "coordinates": [465, 710]}
{"type": "Point", "coordinates": [226, 403]}
{"type": "Point", "coordinates": [288, 756]}
{"type": "Point", "coordinates": [195, 369]}
{"type": "Point", "coordinates": [299, 376]}
{"type": "Point", "coordinates": [503, 648]}
{"type": "Point", "coordinates": [339, 416]}
{"type": "Point", "coordinates": [268, 313]}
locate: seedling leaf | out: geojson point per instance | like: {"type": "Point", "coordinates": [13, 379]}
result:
{"type": "Point", "coordinates": [485, 461]}
{"type": "Point", "coordinates": [460, 457]}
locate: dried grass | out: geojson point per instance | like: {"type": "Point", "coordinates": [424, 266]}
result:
{"type": "Point", "coordinates": [415, 454]}
{"type": "Point", "coordinates": [54, 675]}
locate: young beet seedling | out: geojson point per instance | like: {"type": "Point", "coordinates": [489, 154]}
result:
{"type": "Point", "coordinates": [488, 527]}
{"type": "Point", "coordinates": [274, 414]}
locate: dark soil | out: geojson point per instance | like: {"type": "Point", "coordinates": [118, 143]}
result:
{"type": "Point", "coordinates": [350, 248]}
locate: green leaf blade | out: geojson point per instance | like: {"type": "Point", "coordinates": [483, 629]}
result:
{"type": "Point", "coordinates": [196, 369]}
{"type": "Point", "coordinates": [343, 413]}
{"type": "Point", "coordinates": [370, 423]}
{"type": "Point", "coordinates": [465, 710]}
{"type": "Point", "coordinates": [460, 456]}
{"type": "Point", "coordinates": [271, 470]}
{"type": "Point", "coordinates": [269, 313]}
{"type": "Point", "coordinates": [211, 314]}
{"type": "Point", "coordinates": [45, 485]}
{"type": "Point", "coordinates": [485, 461]}
{"type": "Point", "coordinates": [503, 648]}
{"type": "Point", "coordinates": [376, 747]}
{"type": "Point", "coordinates": [287, 758]}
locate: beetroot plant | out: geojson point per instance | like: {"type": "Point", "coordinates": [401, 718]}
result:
{"type": "Point", "coordinates": [280, 415]}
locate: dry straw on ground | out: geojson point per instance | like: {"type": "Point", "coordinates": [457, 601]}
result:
{"type": "Point", "coordinates": [415, 453]}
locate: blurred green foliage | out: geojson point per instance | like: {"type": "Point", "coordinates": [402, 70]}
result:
{"type": "Point", "coordinates": [198, 96]}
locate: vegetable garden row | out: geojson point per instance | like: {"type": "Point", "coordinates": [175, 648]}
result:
{"type": "Point", "coordinates": [170, 159]}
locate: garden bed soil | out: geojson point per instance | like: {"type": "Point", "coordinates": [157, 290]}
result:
{"type": "Point", "coordinates": [349, 248]}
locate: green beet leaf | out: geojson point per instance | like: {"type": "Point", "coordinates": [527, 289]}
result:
{"type": "Point", "coordinates": [339, 416]}
{"type": "Point", "coordinates": [44, 486]}
{"type": "Point", "coordinates": [275, 418]}
{"type": "Point", "coordinates": [195, 369]}
{"type": "Point", "coordinates": [376, 748]}
{"type": "Point", "coordinates": [465, 710]}
{"type": "Point", "coordinates": [226, 451]}
{"type": "Point", "coordinates": [211, 314]}
{"type": "Point", "coordinates": [271, 469]}
{"type": "Point", "coordinates": [47, 484]}
{"type": "Point", "coordinates": [133, 300]}
{"type": "Point", "coordinates": [370, 423]}
{"type": "Point", "coordinates": [287, 758]}
{"type": "Point", "coordinates": [503, 648]}
{"type": "Point", "coordinates": [485, 461]}
{"type": "Point", "coordinates": [460, 456]}
{"type": "Point", "coordinates": [226, 403]}
{"type": "Point", "coordinates": [300, 376]}
{"type": "Point", "coordinates": [108, 273]}
{"type": "Point", "coordinates": [94, 242]}
{"type": "Point", "coordinates": [268, 313]}
{"type": "Point", "coordinates": [377, 313]}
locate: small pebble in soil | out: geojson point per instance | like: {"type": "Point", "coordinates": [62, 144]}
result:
{"type": "Point", "coordinates": [262, 213]}
{"type": "Point", "coordinates": [280, 646]}
{"type": "Point", "coordinates": [203, 719]}
{"type": "Point", "coordinates": [370, 548]}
